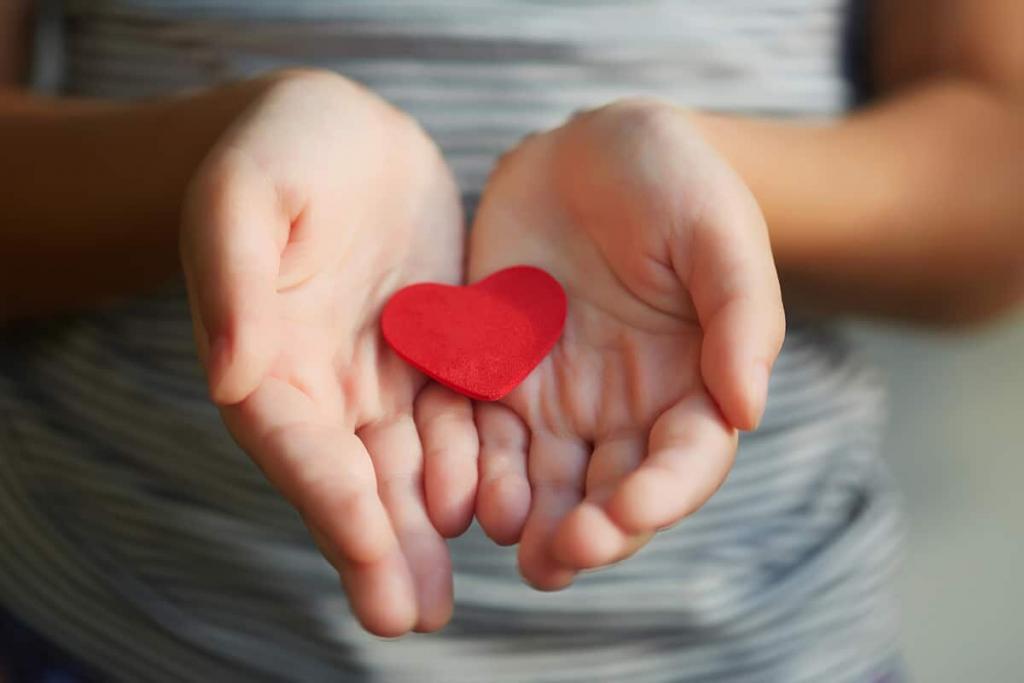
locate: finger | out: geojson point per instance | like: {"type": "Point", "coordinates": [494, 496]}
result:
{"type": "Point", "coordinates": [324, 471]}
{"type": "Point", "coordinates": [450, 450]}
{"type": "Point", "coordinates": [503, 496]}
{"type": "Point", "coordinates": [613, 459]}
{"type": "Point", "coordinates": [233, 236]}
{"type": "Point", "coordinates": [731, 277]}
{"type": "Point", "coordinates": [557, 472]}
{"type": "Point", "coordinates": [394, 445]}
{"type": "Point", "coordinates": [379, 593]}
{"type": "Point", "coordinates": [587, 537]}
{"type": "Point", "coordinates": [690, 452]}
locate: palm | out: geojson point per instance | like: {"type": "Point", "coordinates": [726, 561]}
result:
{"type": "Point", "coordinates": [617, 429]}
{"type": "Point", "coordinates": [335, 389]}
{"type": "Point", "coordinates": [330, 215]}
{"type": "Point", "coordinates": [606, 379]}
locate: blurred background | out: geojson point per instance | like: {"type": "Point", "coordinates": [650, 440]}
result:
{"type": "Point", "coordinates": [954, 443]}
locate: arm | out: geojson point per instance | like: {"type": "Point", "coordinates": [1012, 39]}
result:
{"type": "Point", "coordinates": [14, 31]}
{"type": "Point", "coordinates": [92, 192]}
{"type": "Point", "coordinates": [911, 207]}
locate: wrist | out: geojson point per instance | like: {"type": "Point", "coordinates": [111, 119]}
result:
{"type": "Point", "coordinates": [96, 190]}
{"type": "Point", "coordinates": [781, 164]}
{"type": "Point", "coordinates": [815, 205]}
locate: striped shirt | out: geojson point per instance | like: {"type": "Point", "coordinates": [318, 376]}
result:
{"type": "Point", "coordinates": [135, 533]}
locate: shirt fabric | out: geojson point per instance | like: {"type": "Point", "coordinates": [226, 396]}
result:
{"type": "Point", "coordinates": [136, 534]}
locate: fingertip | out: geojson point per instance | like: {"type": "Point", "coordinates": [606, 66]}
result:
{"type": "Point", "coordinates": [434, 585]}
{"type": "Point", "coordinates": [742, 396]}
{"type": "Point", "coordinates": [736, 292]}
{"type": "Point", "coordinates": [504, 494]}
{"type": "Point", "coordinates": [551, 583]}
{"type": "Point", "coordinates": [541, 572]}
{"type": "Point", "coordinates": [737, 380]}
{"type": "Point", "coordinates": [503, 504]}
{"type": "Point", "coordinates": [587, 538]}
{"type": "Point", "coordinates": [646, 501]}
{"type": "Point", "coordinates": [450, 491]}
{"type": "Point", "coordinates": [758, 396]}
{"type": "Point", "coordinates": [435, 617]}
{"type": "Point", "coordinates": [450, 498]}
{"type": "Point", "coordinates": [738, 406]}
{"type": "Point", "coordinates": [435, 623]}
{"type": "Point", "coordinates": [387, 626]}
{"type": "Point", "coordinates": [692, 448]}
{"type": "Point", "coordinates": [451, 521]}
{"type": "Point", "coordinates": [558, 469]}
{"type": "Point", "coordinates": [451, 448]}
{"type": "Point", "coordinates": [385, 629]}
{"type": "Point", "coordinates": [725, 385]}
{"type": "Point", "coordinates": [381, 595]}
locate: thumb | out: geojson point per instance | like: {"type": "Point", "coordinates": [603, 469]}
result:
{"type": "Point", "coordinates": [233, 234]}
{"type": "Point", "coordinates": [735, 290]}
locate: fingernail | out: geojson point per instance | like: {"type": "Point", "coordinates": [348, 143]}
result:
{"type": "Point", "coordinates": [761, 373]}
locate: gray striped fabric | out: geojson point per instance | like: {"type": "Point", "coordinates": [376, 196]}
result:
{"type": "Point", "coordinates": [133, 531]}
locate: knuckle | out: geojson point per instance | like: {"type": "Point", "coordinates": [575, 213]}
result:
{"type": "Point", "coordinates": [398, 476]}
{"type": "Point", "coordinates": [501, 430]}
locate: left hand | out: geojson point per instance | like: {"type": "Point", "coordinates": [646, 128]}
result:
{"type": "Point", "coordinates": [675, 319]}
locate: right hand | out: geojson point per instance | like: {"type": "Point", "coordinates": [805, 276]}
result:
{"type": "Point", "coordinates": [318, 203]}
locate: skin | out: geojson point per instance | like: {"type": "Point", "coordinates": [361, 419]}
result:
{"type": "Point", "coordinates": [675, 318]}
{"type": "Point", "coordinates": [673, 297]}
{"type": "Point", "coordinates": [294, 237]}
{"type": "Point", "coordinates": [86, 152]}
{"type": "Point", "coordinates": [14, 33]}
{"type": "Point", "coordinates": [919, 217]}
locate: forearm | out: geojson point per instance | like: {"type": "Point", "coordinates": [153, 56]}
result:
{"type": "Point", "coordinates": [911, 208]}
{"type": "Point", "coordinates": [15, 26]}
{"type": "Point", "coordinates": [91, 192]}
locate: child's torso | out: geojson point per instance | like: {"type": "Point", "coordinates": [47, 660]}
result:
{"type": "Point", "coordinates": [111, 450]}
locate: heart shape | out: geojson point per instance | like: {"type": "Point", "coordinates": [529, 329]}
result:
{"type": "Point", "coordinates": [483, 339]}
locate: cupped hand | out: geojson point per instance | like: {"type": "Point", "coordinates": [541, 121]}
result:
{"type": "Point", "coordinates": [316, 205]}
{"type": "Point", "coordinates": [675, 319]}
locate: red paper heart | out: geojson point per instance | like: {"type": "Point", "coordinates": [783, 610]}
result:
{"type": "Point", "coordinates": [481, 340]}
